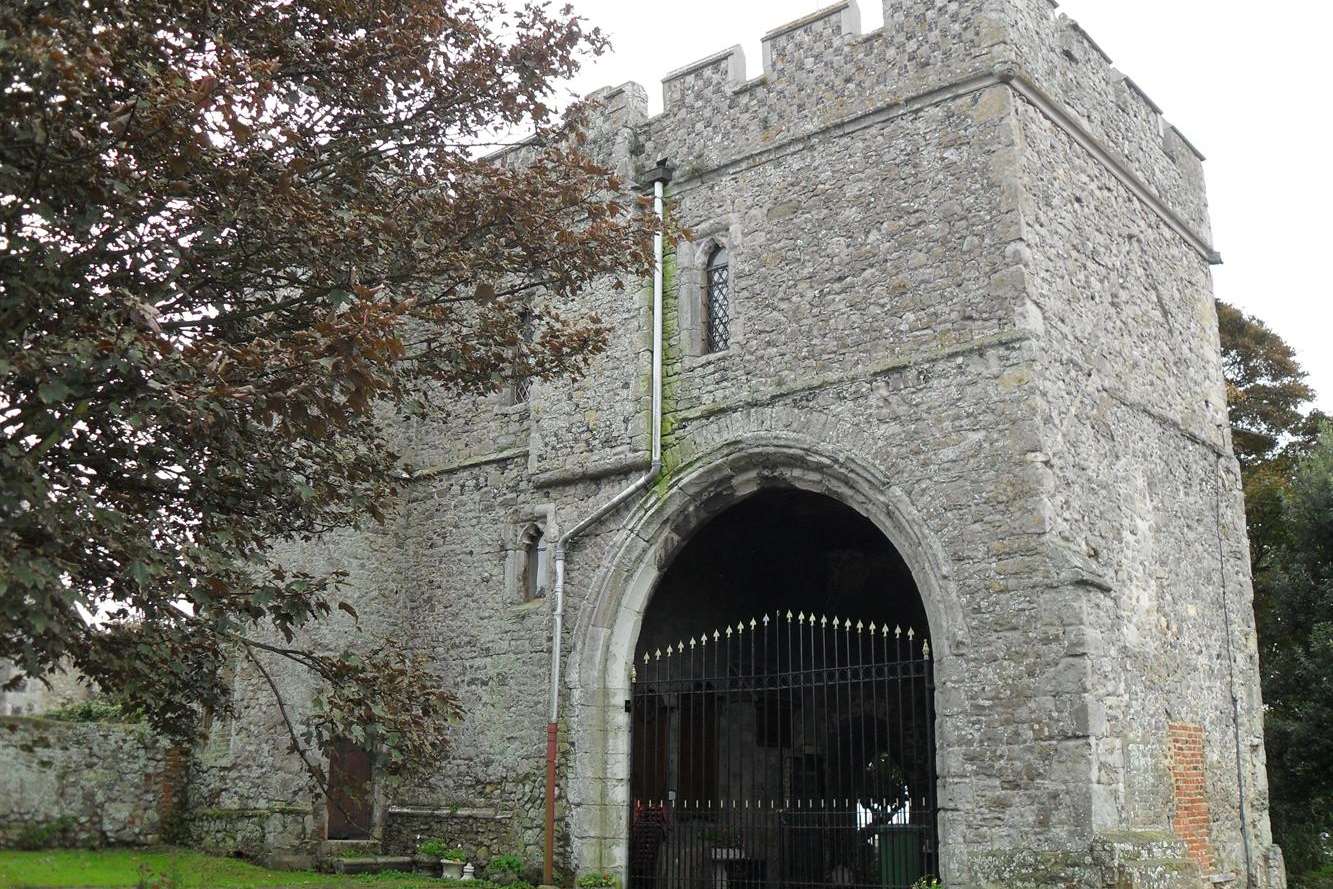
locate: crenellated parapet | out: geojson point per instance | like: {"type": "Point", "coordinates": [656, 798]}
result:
{"type": "Point", "coordinates": [821, 73]}
{"type": "Point", "coordinates": [1060, 60]}
{"type": "Point", "coordinates": [816, 71]}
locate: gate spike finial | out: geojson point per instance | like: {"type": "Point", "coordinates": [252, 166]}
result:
{"type": "Point", "coordinates": [669, 651]}
{"type": "Point", "coordinates": [835, 621]}
{"type": "Point", "coordinates": [859, 627]}
{"type": "Point", "coordinates": [703, 639]}
{"type": "Point", "coordinates": [885, 630]}
{"type": "Point", "coordinates": [753, 624]}
{"type": "Point", "coordinates": [645, 657]}
{"type": "Point", "coordinates": [911, 634]}
{"type": "Point", "coordinates": [740, 626]}
{"type": "Point", "coordinates": [925, 649]}
{"type": "Point", "coordinates": [728, 632]}
{"type": "Point", "coordinates": [691, 642]}
{"type": "Point", "coordinates": [848, 625]}
{"type": "Point", "coordinates": [823, 621]}
{"type": "Point", "coordinates": [680, 647]}
{"type": "Point", "coordinates": [789, 615]}
{"type": "Point", "coordinates": [898, 630]}
{"type": "Point", "coordinates": [716, 635]}
{"type": "Point", "coordinates": [801, 617]}
{"type": "Point", "coordinates": [873, 629]}
{"type": "Point", "coordinates": [765, 620]}
{"type": "Point", "coordinates": [659, 654]}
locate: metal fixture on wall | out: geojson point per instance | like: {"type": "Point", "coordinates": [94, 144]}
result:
{"type": "Point", "coordinates": [658, 177]}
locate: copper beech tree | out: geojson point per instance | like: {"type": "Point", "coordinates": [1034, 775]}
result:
{"type": "Point", "coordinates": [237, 235]}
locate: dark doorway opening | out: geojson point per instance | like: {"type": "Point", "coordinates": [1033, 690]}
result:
{"type": "Point", "coordinates": [783, 713]}
{"type": "Point", "coordinates": [350, 806]}
{"type": "Point", "coordinates": [776, 551]}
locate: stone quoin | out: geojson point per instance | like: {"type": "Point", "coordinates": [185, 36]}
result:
{"type": "Point", "coordinates": [967, 299]}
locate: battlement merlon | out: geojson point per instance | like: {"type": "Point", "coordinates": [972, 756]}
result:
{"type": "Point", "coordinates": [821, 73]}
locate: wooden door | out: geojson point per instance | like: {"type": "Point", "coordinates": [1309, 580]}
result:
{"type": "Point", "coordinates": [350, 806]}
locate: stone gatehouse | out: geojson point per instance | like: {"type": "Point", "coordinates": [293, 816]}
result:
{"type": "Point", "coordinates": [941, 355]}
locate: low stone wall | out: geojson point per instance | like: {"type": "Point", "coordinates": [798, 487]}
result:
{"type": "Point", "coordinates": [257, 833]}
{"type": "Point", "coordinates": [72, 783]}
{"type": "Point", "coordinates": [482, 833]}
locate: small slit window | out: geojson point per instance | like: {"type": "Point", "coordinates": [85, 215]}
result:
{"type": "Point", "coordinates": [534, 564]}
{"type": "Point", "coordinates": [521, 383]}
{"type": "Point", "coordinates": [717, 302]}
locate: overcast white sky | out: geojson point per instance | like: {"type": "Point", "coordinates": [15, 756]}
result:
{"type": "Point", "coordinates": [1244, 82]}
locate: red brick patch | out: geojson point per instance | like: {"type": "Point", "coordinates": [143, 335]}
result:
{"type": "Point", "coordinates": [1191, 821]}
{"type": "Point", "coordinates": [171, 789]}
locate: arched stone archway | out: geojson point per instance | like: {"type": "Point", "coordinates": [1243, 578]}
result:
{"type": "Point", "coordinates": [650, 537]}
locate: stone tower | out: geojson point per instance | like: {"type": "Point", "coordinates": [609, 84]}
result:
{"type": "Point", "coordinates": [970, 300]}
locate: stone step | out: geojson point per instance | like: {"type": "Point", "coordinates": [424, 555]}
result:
{"type": "Point", "coordinates": [375, 864]}
{"type": "Point", "coordinates": [350, 848]}
{"type": "Point", "coordinates": [1145, 860]}
{"type": "Point", "coordinates": [1165, 873]}
{"type": "Point", "coordinates": [1127, 846]}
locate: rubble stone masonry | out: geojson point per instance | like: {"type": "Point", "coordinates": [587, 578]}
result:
{"type": "Point", "coordinates": [971, 299]}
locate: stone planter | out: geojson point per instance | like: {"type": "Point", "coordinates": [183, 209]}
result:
{"type": "Point", "coordinates": [451, 870]}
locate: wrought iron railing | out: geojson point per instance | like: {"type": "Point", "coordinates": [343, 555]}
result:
{"type": "Point", "coordinates": [793, 751]}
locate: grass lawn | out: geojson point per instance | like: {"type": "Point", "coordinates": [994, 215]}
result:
{"type": "Point", "coordinates": [174, 869]}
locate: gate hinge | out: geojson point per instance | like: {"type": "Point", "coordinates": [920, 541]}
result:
{"type": "Point", "coordinates": [628, 709]}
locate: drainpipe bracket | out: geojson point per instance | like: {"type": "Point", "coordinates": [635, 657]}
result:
{"type": "Point", "coordinates": [662, 172]}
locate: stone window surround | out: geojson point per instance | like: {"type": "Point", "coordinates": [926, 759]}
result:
{"type": "Point", "coordinates": [692, 288]}
{"type": "Point", "coordinates": [539, 517]}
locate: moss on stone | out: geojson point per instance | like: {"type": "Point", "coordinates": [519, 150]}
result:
{"type": "Point", "coordinates": [671, 370]}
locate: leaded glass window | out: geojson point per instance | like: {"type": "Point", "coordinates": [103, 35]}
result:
{"type": "Point", "coordinates": [522, 383]}
{"type": "Point", "coordinates": [717, 335]}
{"type": "Point", "coordinates": [522, 386]}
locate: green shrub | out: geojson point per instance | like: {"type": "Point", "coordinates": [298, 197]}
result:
{"type": "Point", "coordinates": [55, 834]}
{"type": "Point", "coordinates": [507, 862]}
{"type": "Point", "coordinates": [598, 881]}
{"type": "Point", "coordinates": [1320, 879]}
{"type": "Point", "coordinates": [432, 848]}
{"type": "Point", "coordinates": [94, 710]}
{"type": "Point", "coordinates": [437, 848]}
{"type": "Point", "coordinates": [504, 870]}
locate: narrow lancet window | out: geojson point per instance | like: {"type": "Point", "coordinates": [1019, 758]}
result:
{"type": "Point", "coordinates": [521, 384]}
{"type": "Point", "coordinates": [717, 335]}
{"type": "Point", "coordinates": [534, 565]}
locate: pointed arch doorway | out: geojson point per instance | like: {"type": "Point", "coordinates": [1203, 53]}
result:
{"type": "Point", "coordinates": [782, 707]}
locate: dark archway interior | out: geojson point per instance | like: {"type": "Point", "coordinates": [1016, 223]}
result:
{"type": "Point", "coordinates": [783, 753]}
{"type": "Point", "coordinates": [781, 550]}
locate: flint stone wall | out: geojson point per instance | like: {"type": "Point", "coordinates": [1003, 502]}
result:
{"type": "Point", "coordinates": [93, 784]}
{"type": "Point", "coordinates": [971, 297]}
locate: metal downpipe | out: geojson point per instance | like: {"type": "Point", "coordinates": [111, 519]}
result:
{"type": "Point", "coordinates": [659, 176]}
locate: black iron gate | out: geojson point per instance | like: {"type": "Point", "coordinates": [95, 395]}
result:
{"type": "Point", "coordinates": [793, 751]}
